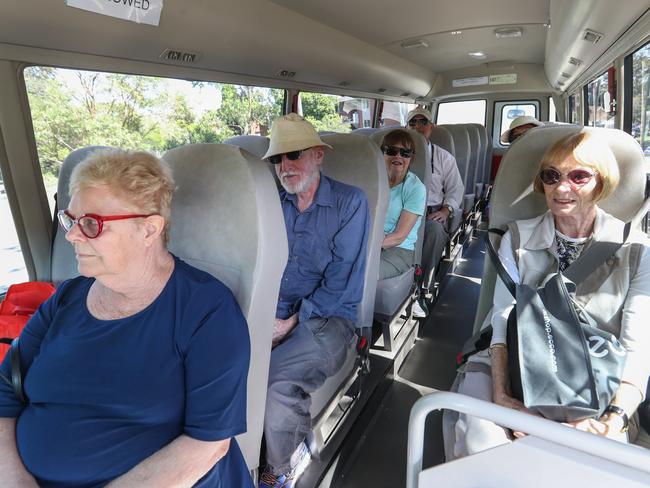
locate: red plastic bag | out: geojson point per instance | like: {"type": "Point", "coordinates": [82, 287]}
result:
{"type": "Point", "coordinates": [20, 303]}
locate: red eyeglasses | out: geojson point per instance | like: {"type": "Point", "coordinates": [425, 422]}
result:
{"type": "Point", "coordinates": [91, 225]}
{"type": "Point", "coordinates": [577, 177]}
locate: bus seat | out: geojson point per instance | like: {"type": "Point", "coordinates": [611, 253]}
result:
{"type": "Point", "coordinates": [366, 131]}
{"type": "Point", "coordinates": [441, 137]}
{"type": "Point", "coordinates": [513, 197]}
{"type": "Point", "coordinates": [481, 160]}
{"type": "Point", "coordinates": [463, 155]}
{"type": "Point", "coordinates": [355, 160]}
{"type": "Point", "coordinates": [233, 196]}
{"type": "Point", "coordinates": [475, 159]}
{"type": "Point", "coordinates": [392, 292]}
{"type": "Point", "coordinates": [257, 145]}
{"type": "Point", "coordinates": [63, 263]}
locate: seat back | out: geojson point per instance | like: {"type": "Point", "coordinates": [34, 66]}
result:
{"type": "Point", "coordinates": [513, 197]}
{"type": "Point", "coordinates": [420, 166]}
{"type": "Point", "coordinates": [474, 161]}
{"type": "Point", "coordinates": [463, 154]}
{"type": "Point", "coordinates": [442, 138]}
{"type": "Point", "coordinates": [482, 156]}
{"type": "Point", "coordinates": [63, 263]}
{"type": "Point", "coordinates": [225, 220]}
{"type": "Point", "coordinates": [256, 145]}
{"type": "Point", "coordinates": [366, 131]}
{"type": "Point", "coordinates": [355, 160]}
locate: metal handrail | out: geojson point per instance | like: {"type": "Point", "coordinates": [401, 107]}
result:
{"type": "Point", "coordinates": [618, 452]}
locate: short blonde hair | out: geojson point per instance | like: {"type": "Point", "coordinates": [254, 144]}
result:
{"type": "Point", "coordinates": [139, 177]}
{"type": "Point", "coordinates": [589, 151]}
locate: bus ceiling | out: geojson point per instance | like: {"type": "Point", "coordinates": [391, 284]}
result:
{"type": "Point", "coordinates": [366, 47]}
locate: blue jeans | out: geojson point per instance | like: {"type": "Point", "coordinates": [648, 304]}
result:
{"type": "Point", "coordinates": [315, 350]}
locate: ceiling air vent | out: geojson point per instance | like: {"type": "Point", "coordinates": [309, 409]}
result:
{"type": "Point", "coordinates": [405, 94]}
{"type": "Point", "coordinates": [381, 90]}
{"type": "Point", "coordinates": [344, 83]}
{"type": "Point", "coordinates": [177, 56]}
{"type": "Point", "coordinates": [285, 73]}
{"type": "Point", "coordinates": [414, 43]}
{"type": "Point", "coordinates": [565, 75]}
{"type": "Point", "coordinates": [575, 61]}
{"type": "Point", "coordinates": [592, 36]}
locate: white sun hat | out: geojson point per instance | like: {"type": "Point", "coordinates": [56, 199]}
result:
{"type": "Point", "coordinates": [419, 111]}
{"type": "Point", "coordinates": [518, 122]}
{"type": "Point", "coordinates": [291, 132]}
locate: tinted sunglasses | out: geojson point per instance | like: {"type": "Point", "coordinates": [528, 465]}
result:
{"type": "Point", "coordinates": [394, 151]}
{"type": "Point", "coordinates": [577, 177]}
{"type": "Point", "coordinates": [422, 122]}
{"type": "Point", "coordinates": [291, 156]}
{"type": "Point", "coordinates": [91, 225]}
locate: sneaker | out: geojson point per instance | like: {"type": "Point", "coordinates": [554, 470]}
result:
{"type": "Point", "coordinates": [270, 480]}
{"type": "Point", "coordinates": [299, 460]}
{"type": "Point", "coordinates": [418, 311]}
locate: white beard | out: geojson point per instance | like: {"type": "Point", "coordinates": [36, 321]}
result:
{"type": "Point", "coordinates": [299, 187]}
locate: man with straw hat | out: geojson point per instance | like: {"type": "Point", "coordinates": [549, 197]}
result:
{"type": "Point", "coordinates": [327, 227]}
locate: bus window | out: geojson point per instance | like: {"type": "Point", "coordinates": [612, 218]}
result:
{"type": "Point", "coordinates": [641, 98]}
{"type": "Point", "coordinates": [466, 112]}
{"type": "Point", "coordinates": [395, 113]}
{"type": "Point", "coordinates": [574, 108]}
{"type": "Point", "coordinates": [12, 263]}
{"type": "Point", "coordinates": [71, 109]}
{"type": "Point", "coordinates": [600, 101]}
{"type": "Point", "coordinates": [552, 114]}
{"type": "Point", "coordinates": [336, 113]}
{"type": "Point", "coordinates": [506, 112]}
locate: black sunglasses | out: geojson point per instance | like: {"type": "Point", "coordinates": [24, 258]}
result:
{"type": "Point", "coordinates": [422, 122]}
{"type": "Point", "coordinates": [394, 151]}
{"type": "Point", "coordinates": [577, 177]}
{"type": "Point", "coordinates": [291, 156]}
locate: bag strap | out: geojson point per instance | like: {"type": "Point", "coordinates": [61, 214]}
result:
{"type": "Point", "coordinates": [496, 261]}
{"type": "Point", "coordinates": [594, 256]}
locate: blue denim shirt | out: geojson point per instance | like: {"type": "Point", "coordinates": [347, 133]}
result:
{"type": "Point", "coordinates": [327, 253]}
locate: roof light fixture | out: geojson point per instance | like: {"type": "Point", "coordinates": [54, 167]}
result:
{"type": "Point", "coordinates": [456, 33]}
{"type": "Point", "coordinates": [477, 54]}
{"type": "Point", "coordinates": [507, 32]}
{"type": "Point", "coordinates": [414, 43]}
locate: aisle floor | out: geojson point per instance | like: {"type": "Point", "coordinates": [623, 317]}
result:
{"type": "Point", "coordinates": [379, 457]}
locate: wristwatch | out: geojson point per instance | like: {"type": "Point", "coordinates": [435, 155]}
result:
{"type": "Point", "coordinates": [616, 410]}
{"type": "Point", "coordinates": [450, 208]}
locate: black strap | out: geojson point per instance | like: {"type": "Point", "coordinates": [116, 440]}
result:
{"type": "Point", "coordinates": [55, 228]}
{"type": "Point", "coordinates": [577, 272]}
{"type": "Point", "coordinates": [496, 261]}
{"type": "Point", "coordinates": [16, 373]}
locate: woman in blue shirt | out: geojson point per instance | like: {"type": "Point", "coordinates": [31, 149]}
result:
{"type": "Point", "coordinates": [405, 208]}
{"type": "Point", "coordinates": [135, 372]}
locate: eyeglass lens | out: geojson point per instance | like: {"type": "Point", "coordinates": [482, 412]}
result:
{"type": "Point", "coordinates": [89, 226]}
{"type": "Point", "coordinates": [394, 150]}
{"type": "Point", "coordinates": [414, 122]}
{"type": "Point", "coordinates": [578, 177]}
{"type": "Point", "coordinates": [291, 156]}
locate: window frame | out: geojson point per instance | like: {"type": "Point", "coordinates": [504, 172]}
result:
{"type": "Point", "coordinates": [496, 116]}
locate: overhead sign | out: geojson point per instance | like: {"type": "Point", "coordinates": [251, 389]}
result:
{"type": "Point", "coordinates": [478, 80]}
{"type": "Point", "coordinates": [503, 79]}
{"type": "Point", "coordinates": [140, 11]}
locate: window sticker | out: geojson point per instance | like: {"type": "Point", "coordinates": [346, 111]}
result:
{"type": "Point", "coordinates": [478, 80]}
{"type": "Point", "coordinates": [506, 79]}
{"type": "Point", "coordinates": [139, 11]}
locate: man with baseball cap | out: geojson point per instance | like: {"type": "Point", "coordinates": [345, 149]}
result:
{"type": "Point", "coordinates": [518, 127]}
{"type": "Point", "coordinates": [445, 193]}
{"type": "Point", "coordinates": [327, 225]}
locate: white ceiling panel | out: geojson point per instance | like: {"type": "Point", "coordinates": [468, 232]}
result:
{"type": "Point", "coordinates": [381, 22]}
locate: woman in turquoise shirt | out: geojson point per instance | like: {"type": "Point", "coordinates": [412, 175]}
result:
{"type": "Point", "coordinates": [405, 208]}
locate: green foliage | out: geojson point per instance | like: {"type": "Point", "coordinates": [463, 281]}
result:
{"type": "Point", "coordinates": [134, 112]}
{"type": "Point", "coordinates": [322, 111]}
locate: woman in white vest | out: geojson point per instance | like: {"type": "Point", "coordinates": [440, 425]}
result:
{"type": "Point", "coordinates": [574, 174]}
